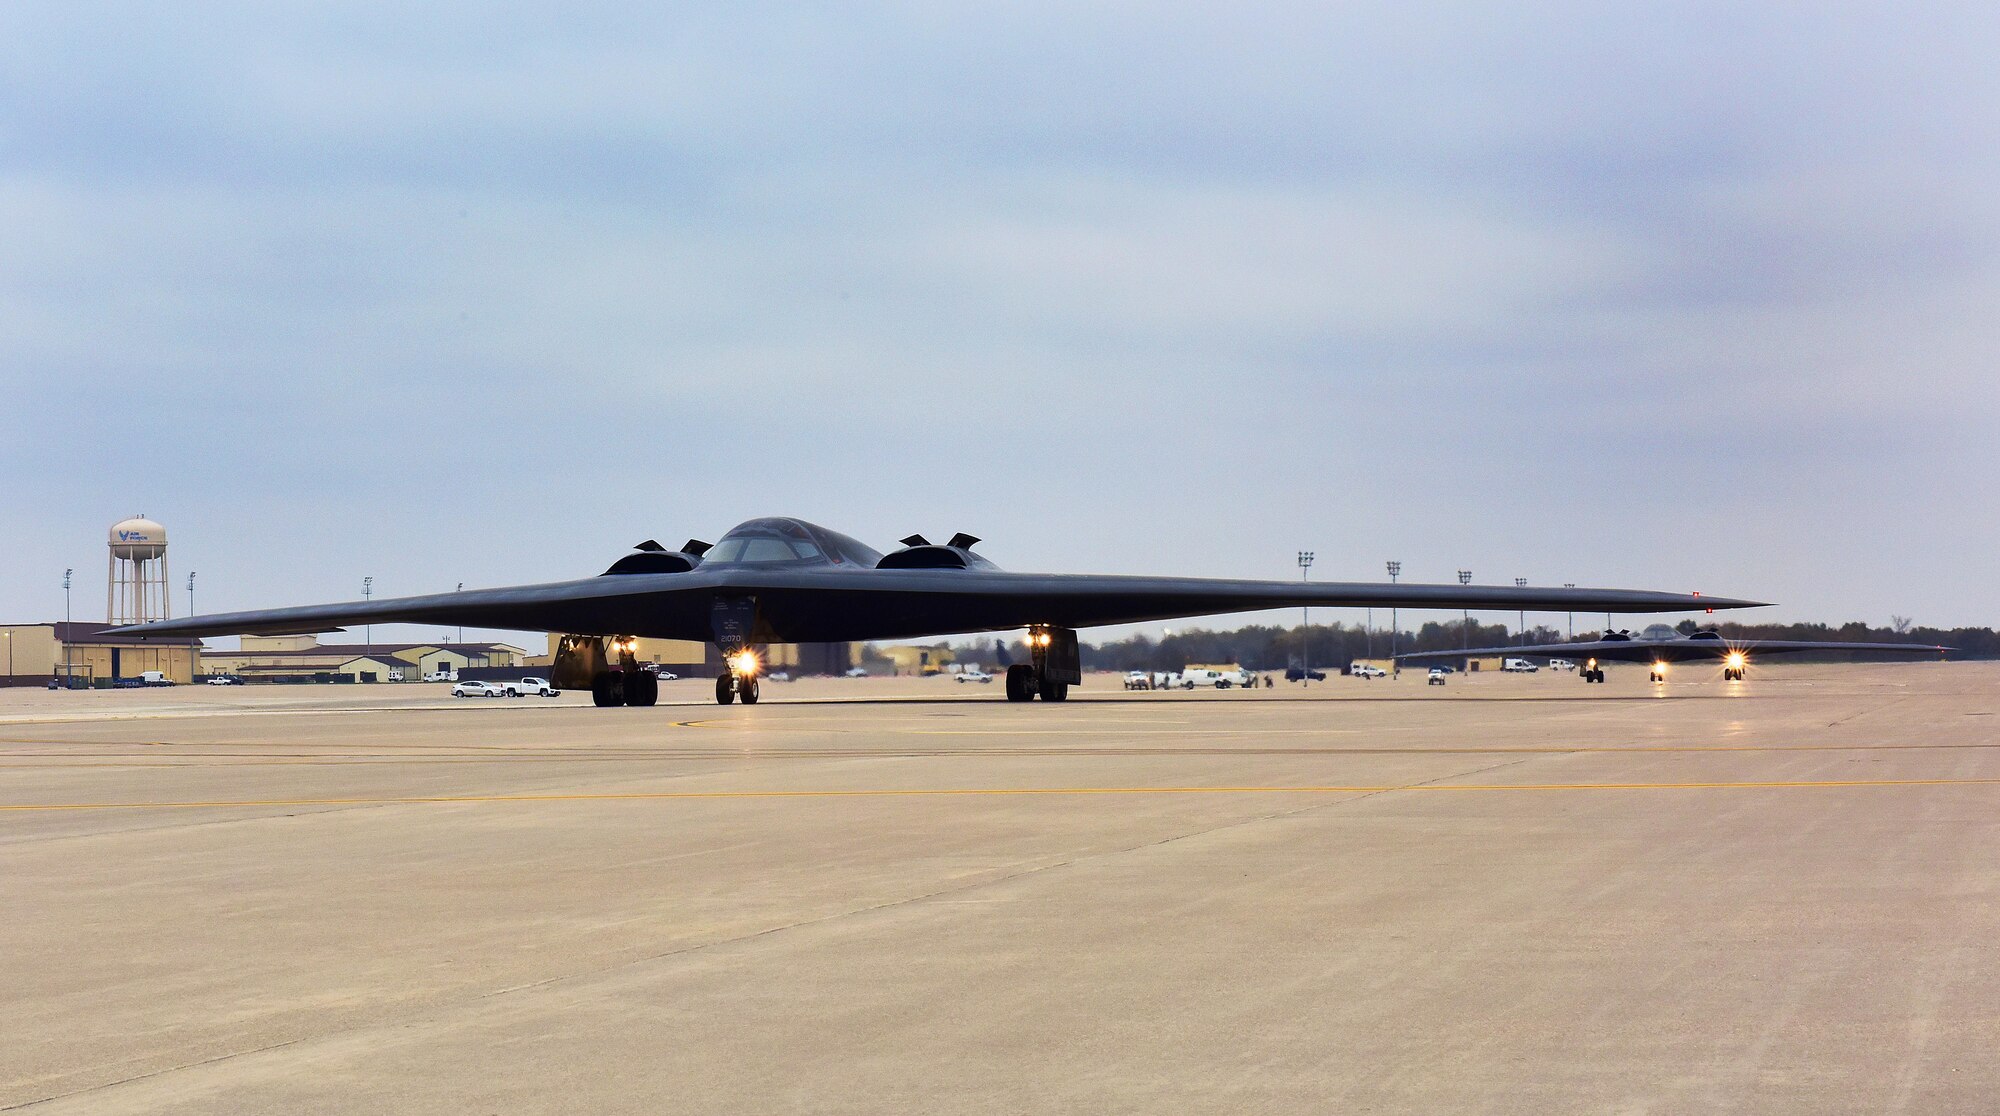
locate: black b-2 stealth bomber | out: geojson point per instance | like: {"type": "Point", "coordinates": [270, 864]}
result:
{"type": "Point", "coordinates": [780, 580]}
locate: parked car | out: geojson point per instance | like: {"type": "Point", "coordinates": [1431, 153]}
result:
{"type": "Point", "coordinates": [1139, 680]}
{"type": "Point", "coordinates": [477, 689]}
{"type": "Point", "coordinates": [395, 676]}
{"type": "Point", "coordinates": [537, 686]}
{"type": "Point", "coordinates": [778, 676]}
{"type": "Point", "coordinates": [1436, 677]}
{"type": "Point", "coordinates": [1518, 666]}
{"type": "Point", "coordinates": [1297, 674]}
{"type": "Point", "coordinates": [1364, 671]}
{"type": "Point", "coordinates": [974, 675]}
{"type": "Point", "coordinates": [225, 680]}
{"type": "Point", "coordinates": [1446, 669]}
{"type": "Point", "coordinates": [857, 672]}
{"type": "Point", "coordinates": [659, 672]}
{"type": "Point", "coordinates": [1561, 664]}
{"type": "Point", "coordinates": [154, 678]}
{"type": "Point", "coordinates": [441, 676]}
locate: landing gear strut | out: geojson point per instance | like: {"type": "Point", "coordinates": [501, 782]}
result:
{"type": "Point", "coordinates": [1057, 666]}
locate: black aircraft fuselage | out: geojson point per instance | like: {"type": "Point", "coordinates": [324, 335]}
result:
{"type": "Point", "coordinates": [781, 580]}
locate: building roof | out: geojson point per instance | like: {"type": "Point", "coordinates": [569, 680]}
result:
{"type": "Point", "coordinates": [374, 650]}
{"type": "Point", "coordinates": [80, 633]}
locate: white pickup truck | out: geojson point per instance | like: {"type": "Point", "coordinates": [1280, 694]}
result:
{"type": "Point", "coordinates": [1518, 666]}
{"type": "Point", "coordinates": [538, 686]}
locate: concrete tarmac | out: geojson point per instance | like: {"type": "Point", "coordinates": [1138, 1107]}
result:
{"type": "Point", "coordinates": [1504, 895]}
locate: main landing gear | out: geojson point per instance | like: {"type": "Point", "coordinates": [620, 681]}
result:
{"type": "Point", "coordinates": [607, 667]}
{"type": "Point", "coordinates": [1057, 666]}
{"type": "Point", "coordinates": [1591, 672]}
{"type": "Point", "coordinates": [1732, 674]}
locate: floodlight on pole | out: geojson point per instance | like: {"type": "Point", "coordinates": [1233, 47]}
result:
{"type": "Point", "coordinates": [190, 592]}
{"type": "Point", "coordinates": [1465, 578]}
{"type": "Point", "coordinates": [1522, 583]}
{"type": "Point", "coordinates": [1395, 569]}
{"type": "Point", "coordinates": [69, 636]}
{"type": "Point", "coordinates": [367, 629]}
{"type": "Point", "coordinates": [461, 626]}
{"type": "Point", "coordinates": [1305, 622]}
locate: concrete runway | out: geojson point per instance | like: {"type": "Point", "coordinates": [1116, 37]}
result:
{"type": "Point", "coordinates": [1506, 895]}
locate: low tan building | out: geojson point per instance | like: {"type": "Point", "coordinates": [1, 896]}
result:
{"type": "Point", "coordinates": [305, 659]}
{"type": "Point", "coordinates": [919, 660]}
{"type": "Point", "coordinates": [32, 654]}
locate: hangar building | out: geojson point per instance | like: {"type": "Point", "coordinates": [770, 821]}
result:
{"type": "Point", "coordinates": [31, 654]}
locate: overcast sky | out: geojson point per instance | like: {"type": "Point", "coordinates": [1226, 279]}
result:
{"type": "Point", "coordinates": [1687, 296]}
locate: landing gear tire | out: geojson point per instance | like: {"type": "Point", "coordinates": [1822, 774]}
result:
{"type": "Point", "coordinates": [747, 690]}
{"type": "Point", "coordinates": [1020, 682]}
{"type": "Point", "coordinates": [1054, 691]}
{"type": "Point", "coordinates": [642, 688]}
{"type": "Point", "coordinates": [725, 689]}
{"type": "Point", "coordinates": [607, 688]}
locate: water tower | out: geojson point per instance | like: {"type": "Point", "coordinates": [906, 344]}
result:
{"type": "Point", "coordinates": [138, 581]}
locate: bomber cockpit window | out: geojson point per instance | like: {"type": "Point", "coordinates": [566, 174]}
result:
{"type": "Point", "coordinates": [767, 550]}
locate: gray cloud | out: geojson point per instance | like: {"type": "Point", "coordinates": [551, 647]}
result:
{"type": "Point", "coordinates": [1648, 296]}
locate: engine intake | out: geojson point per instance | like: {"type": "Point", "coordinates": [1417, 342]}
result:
{"type": "Point", "coordinates": [650, 557]}
{"type": "Point", "coordinates": [919, 553]}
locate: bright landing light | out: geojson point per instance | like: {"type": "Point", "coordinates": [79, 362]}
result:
{"type": "Point", "coordinates": [1736, 660]}
{"type": "Point", "coordinates": [744, 662]}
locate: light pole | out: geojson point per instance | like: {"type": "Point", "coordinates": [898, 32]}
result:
{"type": "Point", "coordinates": [1395, 569]}
{"type": "Point", "coordinates": [461, 627]}
{"type": "Point", "coordinates": [68, 635]}
{"type": "Point", "coordinates": [10, 656]}
{"type": "Point", "coordinates": [1465, 578]}
{"type": "Point", "coordinates": [1305, 622]}
{"type": "Point", "coordinates": [367, 629]}
{"type": "Point", "coordinates": [1572, 613]}
{"type": "Point", "coordinates": [190, 592]}
{"type": "Point", "coordinates": [1522, 583]}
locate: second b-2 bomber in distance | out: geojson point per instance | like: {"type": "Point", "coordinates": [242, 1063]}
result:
{"type": "Point", "coordinates": [1660, 646]}
{"type": "Point", "coordinates": [779, 580]}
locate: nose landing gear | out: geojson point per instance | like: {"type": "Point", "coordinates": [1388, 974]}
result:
{"type": "Point", "coordinates": [739, 681]}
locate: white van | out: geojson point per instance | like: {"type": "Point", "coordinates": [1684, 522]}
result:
{"type": "Point", "coordinates": [1192, 678]}
{"type": "Point", "coordinates": [1561, 664]}
{"type": "Point", "coordinates": [1518, 666]}
{"type": "Point", "coordinates": [154, 678]}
